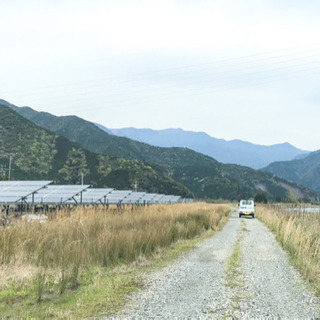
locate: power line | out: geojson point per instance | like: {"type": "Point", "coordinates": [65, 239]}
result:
{"type": "Point", "coordinates": [172, 83]}
{"type": "Point", "coordinates": [232, 83]}
{"type": "Point", "coordinates": [190, 68]}
{"type": "Point", "coordinates": [208, 73]}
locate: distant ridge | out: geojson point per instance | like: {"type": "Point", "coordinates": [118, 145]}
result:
{"type": "Point", "coordinates": [234, 151]}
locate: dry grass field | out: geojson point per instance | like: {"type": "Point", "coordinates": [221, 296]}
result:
{"type": "Point", "coordinates": [82, 262]}
{"type": "Point", "coordinates": [299, 233]}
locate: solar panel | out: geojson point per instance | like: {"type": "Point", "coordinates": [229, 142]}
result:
{"type": "Point", "coordinates": [117, 196]}
{"type": "Point", "coordinates": [57, 194]}
{"type": "Point", "coordinates": [175, 199]}
{"type": "Point", "coordinates": [187, 200]}
{"type": "Point", "coordinates": [36, 183]}
{"type": "Point", "coordinates": [15, 191]}
{"type": "Point", "coordinates": [133, 198]}
{"type": "Point", "coordinates": [94, 195]}
{"type": "Point", "coordinates": [147, 198]}
{"type": "Point", "coordinates": [165, 199]}
{"type": "Point", "coordinates": [169, 199]}
{"type": "Point", "coordinates": [157, 199]}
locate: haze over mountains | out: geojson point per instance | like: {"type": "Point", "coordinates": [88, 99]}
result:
{"type": "Point", "coordinates": [234, 151]}
{"type": "Point", "coordinates": [191, 171]}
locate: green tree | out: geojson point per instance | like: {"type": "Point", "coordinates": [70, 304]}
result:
{"type": "Point", "coordinates": [105, 165]}
{"type": "Point", "coordinates": [76, 164]}
{"type": "Point", "coordinates": [261, 197]}
{"type": "Point", "coordinates": [35, 153]}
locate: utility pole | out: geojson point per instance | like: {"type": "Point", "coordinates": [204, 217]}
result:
{"type": "Point", "coordinates": [135, 185]}
{"type": "Point", "coordinates": [82, 178]}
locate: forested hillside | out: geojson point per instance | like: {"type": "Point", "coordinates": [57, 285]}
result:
{"type": "Point", "coordinates": [40, 154]}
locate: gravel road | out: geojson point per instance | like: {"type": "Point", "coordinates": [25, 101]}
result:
{"type": "Point", "coordinates": [195, 285]}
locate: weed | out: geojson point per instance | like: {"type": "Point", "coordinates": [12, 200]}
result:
{"type": "Point", "coordinates": [74, 282]}
{"type": "Point", "coordinates": [39, 282]}
{"type": "Point", "coordinates": [233, 271]}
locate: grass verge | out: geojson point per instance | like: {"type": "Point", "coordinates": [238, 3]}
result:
{"type": "Point", "coordinates": [79, 283]}
{"type": "Point", "coordinates": [233, 267]}
{"type": "Point", "coordinates": [234, 263]}
{"type": "Point", "coordinates": [233, 273]}
{"type": "Point", "coordinates": [298, 233]}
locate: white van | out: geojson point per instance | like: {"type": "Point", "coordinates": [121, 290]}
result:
{"type": "Point", "coordinates": [246, 208]}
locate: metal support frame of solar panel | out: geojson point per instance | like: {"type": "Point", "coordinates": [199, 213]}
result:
{"type": "Point", "coordinates": [13, 192]}
{"type": "Point", "coordinates": [94, 196]}
{"type": "Point", "coordinates": [148, 198]}
{"type": "Point", "coordinates": [133, 198]}
{"type": "Point", "coordinates": [117, 196]}
{"type": "Point", "coordinates": [58, 194]}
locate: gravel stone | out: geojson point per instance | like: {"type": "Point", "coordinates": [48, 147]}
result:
{"type": "Point", "coordinates": [193, 287]}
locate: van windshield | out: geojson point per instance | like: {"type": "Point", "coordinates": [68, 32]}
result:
{"type": "Point", "coordinates": [246, 202]}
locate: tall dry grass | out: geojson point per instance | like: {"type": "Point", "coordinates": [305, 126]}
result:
{"type": "Point", "coordinates": [299, 233]}
{"type": "Point", "coordinates": [87, 237]}
{"type": "Point", "coordinates": [82, 262]}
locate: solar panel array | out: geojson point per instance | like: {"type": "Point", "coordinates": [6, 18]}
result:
{"type": "Point", "coordinates": [40, 192]}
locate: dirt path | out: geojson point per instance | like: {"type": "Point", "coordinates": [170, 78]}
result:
{"type": "Point", "coordinates": [241, 272]}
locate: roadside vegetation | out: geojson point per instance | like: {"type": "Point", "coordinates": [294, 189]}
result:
{"type": "Point", "coordinates": [234, 274]}
{"type": "Point", "coordinates": [299, 234]}
{"type": "Point", "coordinates": [82, 263]}
{"type": "Point", "coordinates": [234, 263]}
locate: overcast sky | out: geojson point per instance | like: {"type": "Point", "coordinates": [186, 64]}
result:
{"type": "Point", "coordinates": [234, 69]}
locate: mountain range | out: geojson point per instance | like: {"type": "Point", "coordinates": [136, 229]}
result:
{"type": "Point", "coordinates": [186, 171]}
{"type": "Point", "coordinates": [234, 151]}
